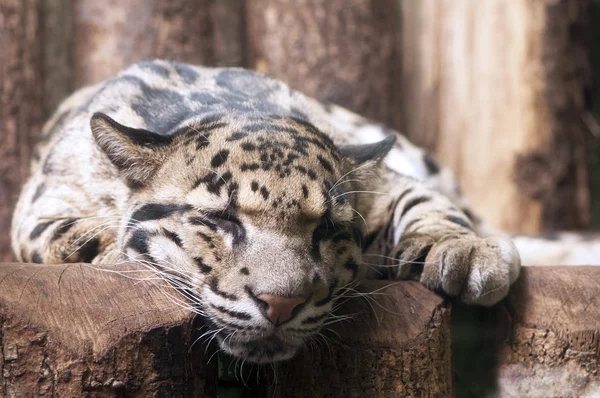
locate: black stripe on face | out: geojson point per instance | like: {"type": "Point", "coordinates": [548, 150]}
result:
{"type": "Point", "coordinates": [460, 221]}
{"type": "Point", "coordinates": [89, 250]}
{"type": "Point", "coordinates": [329, 297]}
{"type": "Point", "coordinates": [203, 221]}
{"type": "Point", "coordinates": [235, 314]}
{"type": "Point", "coordinates": [39, 229]}
{"type": "Point", "coordinates": [214, 287]}
{"type": "Point", "coordinates": [62, 229]}
{"type": "Point", "coordinates": [173, 236]}
{"type": "Point", "coordinates": [139, 241]}
{"type": "Point", "coordinates": [36, 258]}
{"type": "Point", "coordinates": [315, 319]}
{"type": "Point", "coordinates": [414, 202]}
{"type": "Point", "coordinates": [205, 269]}
{"type": "Point", "coordinates": [156, 211]}
{"type": "Point", "coordinates": [38, 192]}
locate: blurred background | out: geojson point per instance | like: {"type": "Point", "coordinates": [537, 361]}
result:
{"type": "Point", "coordinates": [501, 91]}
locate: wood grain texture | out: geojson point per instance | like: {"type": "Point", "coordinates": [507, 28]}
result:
{"type": "Point", "coordinates": [71, 330]}
{"type": "Point", "coordinates": [342, 51]}
{"type": "Point", "coordinates": [553, 345]}
{"type": "Point", "coordinates": [498, 90]}
{"type": "Point", "coordinates": [113, 34]}
{"type": "Point", "coordinates": [21, 102]}
{"type": "Point", "coordinates": [397, 345]}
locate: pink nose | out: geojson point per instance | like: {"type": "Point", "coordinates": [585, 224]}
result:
{"type": "Point", "coordinates": [280, 309]}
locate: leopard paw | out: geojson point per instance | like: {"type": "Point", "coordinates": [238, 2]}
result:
{"type": "Point", "coordinates": [478, 270]}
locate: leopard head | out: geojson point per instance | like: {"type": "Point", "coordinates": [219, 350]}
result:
{"type": "Point", "coordinates": [251, 219]}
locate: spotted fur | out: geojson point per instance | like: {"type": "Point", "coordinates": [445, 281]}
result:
{"type": "Point", "coordinates": [233, 186]}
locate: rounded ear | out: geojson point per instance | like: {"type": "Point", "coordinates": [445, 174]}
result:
{"type": "Point", "coordinates": [362, 154]}
{"type": "Point", "coordinates": [136, 153]}
{"type": "Point", "coordinates": [364, 161]}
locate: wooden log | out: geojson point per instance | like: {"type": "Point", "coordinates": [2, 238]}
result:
{"type": "Point", "coordinates": [113, 34]}
{"type": "Point", "coordinates": [21, 102]}
{"type": "Point", "coordinates": [397, 345]}
{"type": "Point", "coordinates": [543, 341]}
{"type": "Point", "coordinates": [499, 91]}
{"type": "Point", "coordinates": [553, 348]}
{"type": "Point", "coordinates": [71, 330]}
{"type": "Point", "coordinates": [74, 330]}
{"type": "Point", "coordinates": [342, 51]}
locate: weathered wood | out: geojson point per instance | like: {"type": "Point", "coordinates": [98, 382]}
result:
{"type": "Point", "coordinates": [543, 341]}
{"type": "Point", "coordinates": [113, 34]}
{"type": "Point", "coordinates": [69, 330]}
{"type": "Point", "coordinates": [397, 345]}
{"type": "Point", "coordinates": [499, 91]}
{"type": "Point", "coordinates": [74, 330]}
{"type": "Point", "coordinates": [553, 348]}
{"type": "Point", "coordinates": [343, 51]}
{"type": "Point", "coordinates": [21, 110]}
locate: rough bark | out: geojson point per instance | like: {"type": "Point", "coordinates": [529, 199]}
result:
{"type": "Point", "coordinates": [553, 349]}
{"type": "Point", "coordinates": [499, 91]}
{"type": "Point", "coordinates": [74, 330]}
{"type": "Point", "coordinates": [71, 330]}
{"type": "Point", "coordinates": [113, 34]}
{"type": "Point", "coordinates": [543, 341]}
{"type": "Point", "coordinates": [398, 345]}
{"type": "Point", "coordinates": [335, 50]}
{"type": "Point", "coordinates": [21, 109]}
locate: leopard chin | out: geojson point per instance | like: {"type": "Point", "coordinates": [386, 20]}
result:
{"type": "Point", "coordinates": [260, 350]}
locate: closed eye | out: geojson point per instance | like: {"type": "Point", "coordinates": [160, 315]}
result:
{"type": "Point", "coordinates": [228, 223]}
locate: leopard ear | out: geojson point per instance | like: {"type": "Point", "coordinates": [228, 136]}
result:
{"type": "Point", "coordinates": [369, 155]}
{"type": "Point", "coordinates": [136, 153]}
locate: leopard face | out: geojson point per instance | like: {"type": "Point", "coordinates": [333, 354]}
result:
{"type": "Point", "coordinates": [251, 219]}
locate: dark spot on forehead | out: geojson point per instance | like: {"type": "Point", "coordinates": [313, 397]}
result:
{"type": "Point", "coordinates": [245, 271]}
{"type": "Point", "coordinates": [264, 192]}
{"type": "Point", "coordinates": [254, 186]}
{"type": "Point", "coordinates": [304, 191]}
{"type": "Point", "coordinates": [325, 163]}
{"type": "Point", "coordinates": [237, 136]}
{"type": "Point", "coordinates": [219, 158]}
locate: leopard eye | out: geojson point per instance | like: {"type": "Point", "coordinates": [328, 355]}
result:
{"type": "Point", "coordinates": [326, 230]}
{"type": "Point", "coordinates": [229, 224]}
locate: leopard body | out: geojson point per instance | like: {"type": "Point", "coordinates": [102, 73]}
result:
{"type": "Point", "coordinates": [239, 190]}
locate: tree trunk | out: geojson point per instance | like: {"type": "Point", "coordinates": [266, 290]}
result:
{"type": "Point", "coordinates": [499, 91]}
{"type": "Point", "coordinates": [342, 51]}
{"type": "Point", "coordinates": [76, 330]}
{"type": "Point", "coordinates": [113, 34]}
{"type": "Point", "coordinates": [21, 104]}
